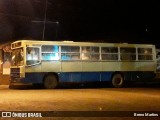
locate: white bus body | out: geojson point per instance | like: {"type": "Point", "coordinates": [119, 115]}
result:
{"type": "Point", "coordinates": [54, 62]}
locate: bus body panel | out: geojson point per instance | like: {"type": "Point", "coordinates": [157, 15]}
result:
{"type": "Point", "coordinates": [140, 76]}
{"type": "Point", "coordinates": [84, 77]}
{"type": "Point", "coordinates": [91, 66]}
{"type": "Point", "coordinates": [69, 77]}
{"type": "Point", "coordinates": [57, 66]}
{"type": "Point", "coordinates": [69, 66]}
{"type": "Point", "coordinates": [84, 70]}
{"type": "Point", "coordinates": [33, 77]}
{"type": "Point", "coordinates": [50, 66]}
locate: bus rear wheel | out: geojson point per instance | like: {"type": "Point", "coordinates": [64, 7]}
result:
{"type": "Point", "coordinates": [117, 80]}
{"type": "Point", "coordinates": [50, 82]}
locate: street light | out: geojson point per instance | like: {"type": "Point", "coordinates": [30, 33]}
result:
{"type": "Point", "coordinates": [57, 29]}
{"type": "Point", "coordinates": [45, 21]}
{"type": "Point", "coordinates": [44, 27]}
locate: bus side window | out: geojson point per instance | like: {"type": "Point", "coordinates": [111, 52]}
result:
{"type": "Point", "coordinates": [90, 53]}
{"type": "Point", "coordinates": [70, 53]}
{"type": "Point", "coordinates": [50, 52]}
{"type": "Point", "coordinates": [128, 53]}
{"type": "Point", "coordinates": [109, 53]}
{"type": "Point", "coordinates": [145, 54]}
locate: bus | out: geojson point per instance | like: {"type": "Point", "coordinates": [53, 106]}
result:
{"type": "Point", "coordinates": [51, 63]}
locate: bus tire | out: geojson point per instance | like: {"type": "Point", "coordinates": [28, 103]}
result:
{"type": "Point", "coordinates": [117, 80]}
{"type": "Point", "coordinates": [11, 87]}
{"type": "Point", "coordinates": [50, 81]}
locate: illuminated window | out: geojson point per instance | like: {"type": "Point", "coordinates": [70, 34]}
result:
{"type": "Point", "coordinates": [50, 52]}
{"type": "Point", "coordinates": [70, 56]}
{"type": "Point", "coordinates": [50, 56]}
{"type": "Point", "coordinates": [90, 53]}
{"type": "Point", "coordinates": [70, 49]}
{"type": "Point", "coordinates": [70, 53]}
{"type": "Point", "coordinates": [32, 55]}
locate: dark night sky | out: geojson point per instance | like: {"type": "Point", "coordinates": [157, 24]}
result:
{"type": "Point", "coordinates": [132, 21]}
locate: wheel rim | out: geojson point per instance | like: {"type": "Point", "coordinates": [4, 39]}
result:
{"type": "Point", "coordinates": [117, 80]}
{"type": "Point", "coordinates": [50, 82]}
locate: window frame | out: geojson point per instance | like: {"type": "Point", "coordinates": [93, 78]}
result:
{"type": "Point", "coordinates": [110, 53]}
{"type": "Point", "coordinates": [145, 54]}
{"type": "Point", "coordinates": [128, 54]}
{"type": "Point", "coordinates": [90, 53]}
{"type": "Point", "coordinates": [70, 53]}
{"type": "Point", "coordinates": [40, 56]}
{"type": "Point", "coordinates": [45, 52]}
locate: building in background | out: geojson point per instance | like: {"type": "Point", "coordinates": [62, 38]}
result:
{"type": "Point", "coordinates": [5, 63]}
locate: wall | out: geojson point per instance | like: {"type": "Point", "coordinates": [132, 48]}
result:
{"type": "Point", "coordinates": [5, 60]}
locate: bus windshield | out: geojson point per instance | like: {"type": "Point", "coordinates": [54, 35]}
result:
{"type": "Point", "coordinates": [17, 57]}
{"type": "Point", "coordinates": [32, 56]}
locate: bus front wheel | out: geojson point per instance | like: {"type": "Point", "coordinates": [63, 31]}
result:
{"type": "Point", "coordinates": [50, 81]}
{"type": "Point", "coordinates": [117, 80]}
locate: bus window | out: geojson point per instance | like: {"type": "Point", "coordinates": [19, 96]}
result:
{"type": "Point", "coordinates": [145, 57]}
{"type": "Point", "coordinates": [50, 56]}
{"type": "Point", "coordinates": [109, 56]}
{"type": "Point", "coordinates": [109, 50]}
{"type": "Point", "coordinates": [85, 56]}
{"type": "Point", "coordinates": [109, 53]}
{"type": "Point", "coordinates": [32, 55]}
{"type": "Point", "coordinates": [70, 56]}
{"type": "Point", "coordinates": [145, 50]}
{"type": "Point", "coordinates": [128, 53]}
{"type": "Point", "coordinates": [86, 49]}
{"type": "Point", "coordinates": [70, 53]}
{"type": "Point", "coordinates": [95, 57]}
{"type": "Point", "coordinates": [145, 54]}
{"type": "Point", "coordinates": [17, 57]}
{"type": "Point", "coordinates": [70, 49]}
{"type": "Point", "coordinates": [50, 52]}
{"type": "Point", "coordinates": [90, 53]}
{"type": "Point", "coordinates": [50, 48]}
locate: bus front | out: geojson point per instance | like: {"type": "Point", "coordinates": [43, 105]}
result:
{"type": "Point", "coordinates": [17, 64]}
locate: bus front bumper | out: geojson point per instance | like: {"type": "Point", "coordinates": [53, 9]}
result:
{"type": "Point", "coordinates": [18, 81]}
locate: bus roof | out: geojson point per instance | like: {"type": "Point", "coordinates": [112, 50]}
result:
{"type": "Point", "coordinates": [67, 42]}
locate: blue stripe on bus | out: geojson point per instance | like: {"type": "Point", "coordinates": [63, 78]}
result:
{"type": "Point", "coordinates": [70, 77]}
{"type": "Point", "coordinates": [33, 77]}
{"type": "Point", "coordinates": [85, 76]}
{"type": "Point", "coordinates": [88, 76]}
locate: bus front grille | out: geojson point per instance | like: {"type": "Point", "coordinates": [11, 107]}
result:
{"type": "Point", "coordinates": [15, 72]}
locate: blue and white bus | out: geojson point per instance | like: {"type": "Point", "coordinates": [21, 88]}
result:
{"type": "Point", "coordinates": [57, 62]}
